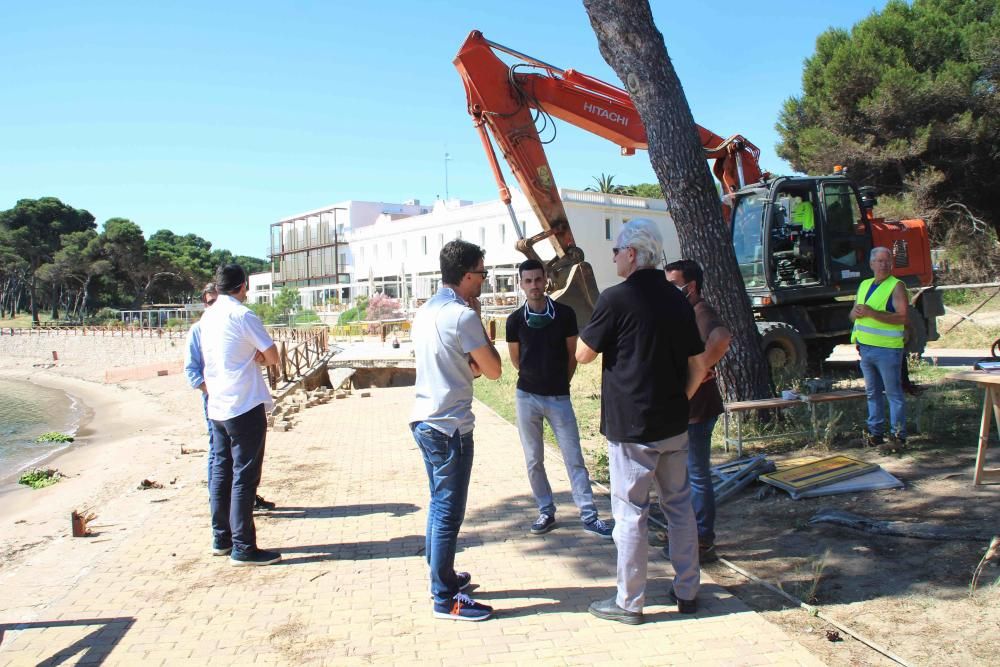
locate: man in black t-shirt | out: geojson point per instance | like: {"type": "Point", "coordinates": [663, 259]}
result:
{"type": "Point", "coordinates": [541, 338]}
{"type": "Point", "coordinates": [652, 364]}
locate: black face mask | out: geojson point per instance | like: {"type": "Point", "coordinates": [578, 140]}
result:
{"type": "Point", "coordinates": [540, 320]}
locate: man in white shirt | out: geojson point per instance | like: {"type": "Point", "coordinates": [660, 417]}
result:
{"type": "Point", "coordinates": [234, 342]}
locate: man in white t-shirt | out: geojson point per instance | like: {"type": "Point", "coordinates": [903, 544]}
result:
{"type": "Point", "coordinates": [234, 343]}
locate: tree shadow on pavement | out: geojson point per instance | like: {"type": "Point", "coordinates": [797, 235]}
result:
{"type": "Point", "coordinates": [339, 512]}
{"type": "Point", "coordinates": [91, 649]}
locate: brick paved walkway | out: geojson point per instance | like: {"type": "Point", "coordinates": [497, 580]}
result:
{"type": "Point", "coordinates": [353, 587]}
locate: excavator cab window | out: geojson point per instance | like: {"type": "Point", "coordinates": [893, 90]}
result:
{"type": "Point", "coordinates": [747, 238]}
{"type": "Point", "coordinates": [847, 233]}
{"type": "Point", "coordinates": [794, 255]}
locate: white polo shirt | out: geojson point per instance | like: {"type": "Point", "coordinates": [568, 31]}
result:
{"type": "Point", "coordinates": [230, 337]}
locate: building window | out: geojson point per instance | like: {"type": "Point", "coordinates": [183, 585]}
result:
{"type": "Point", "coordinates": [503, 233]}
{"type": "Point", "coordinates": [482, 237]}
{"type": "Point", "coordinates": [607, 228]}
{"type": "Point", "coordinates": [423, 244]}
{"type": "Point", "coordinates": [441, 240]}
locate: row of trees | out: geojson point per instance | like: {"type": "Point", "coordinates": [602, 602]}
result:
{"type": "Point", "coordinates": [53, 258]}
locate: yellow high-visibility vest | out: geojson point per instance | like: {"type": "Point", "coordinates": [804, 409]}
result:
{"type": "Point", "coordinates": [868, 330]}
{"type": "Point", "coordinates": [802, 215]}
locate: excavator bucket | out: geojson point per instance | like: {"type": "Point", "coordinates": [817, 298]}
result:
{"type": "Point", "coordinates": [579, 293]}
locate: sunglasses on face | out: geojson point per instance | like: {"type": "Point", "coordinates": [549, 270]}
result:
{"type": "Point", "coordinates": [615, 251]}
{"type": "Point", "coordinates": [484, 274]}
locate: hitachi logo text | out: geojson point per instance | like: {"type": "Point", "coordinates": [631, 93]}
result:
{"type": "Point", "coordinates": [612, 116]}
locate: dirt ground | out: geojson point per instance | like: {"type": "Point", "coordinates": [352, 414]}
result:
{"type": "Point", "coordinates": [909, 595]}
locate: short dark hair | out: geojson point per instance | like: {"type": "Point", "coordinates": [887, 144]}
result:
{"type": "Point", "coordinates": [458, 257]}
{"type": "Point", "coordinates": [690, 269]}
{"type": "Point", "coordinates": [529, 265]}
{"type": "Point", "coordinates": [229, 278]}
{"type": "Point", "coordinates": [209, 288]}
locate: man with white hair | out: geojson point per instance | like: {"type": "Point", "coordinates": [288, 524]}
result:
{"type": "Point", "coordinates": [652, 364]}
{"type": "Point", "coordinates": [879, 317]}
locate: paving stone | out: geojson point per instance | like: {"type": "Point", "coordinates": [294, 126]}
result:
{"type": "Point", "coordinates": [351, 494]}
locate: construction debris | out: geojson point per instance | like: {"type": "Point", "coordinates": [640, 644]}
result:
{"type": "Point", "coordinates": [920, 531]}
{"type": "Point", "coordinates": [79, 521]}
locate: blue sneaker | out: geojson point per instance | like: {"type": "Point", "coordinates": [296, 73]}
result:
{"type": "Point", "coordinates": [543, 524]}
{"type": "Point", "coordinates": [220, 548]}
{"type": "Point", "coordinates": [600, 528]}
{"type": "Point", "coordinates": [463, 608]}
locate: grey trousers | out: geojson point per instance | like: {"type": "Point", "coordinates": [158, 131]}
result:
{"type": "Point", "coordinates": [635, 467]}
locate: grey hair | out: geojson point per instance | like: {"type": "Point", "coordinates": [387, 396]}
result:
{"type": "Point", "coordinates": [876, 250]}
{"type": "Point", "coordinates": [643, 236]}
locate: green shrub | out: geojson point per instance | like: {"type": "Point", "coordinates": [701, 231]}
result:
{"type": "Point", "coordinates": [54, 436]}
{"type": "Point", "coordinates": [105, 317]}
{"type": "Point", "coordinates": [304, 316]}
{"type": "Point", "coordinates": [176, 323]}
{"type": "Point", "coordinates": [39, 478]}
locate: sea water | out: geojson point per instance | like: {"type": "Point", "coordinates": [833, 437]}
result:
{"type": "Point", "coordinates": [27, 411]}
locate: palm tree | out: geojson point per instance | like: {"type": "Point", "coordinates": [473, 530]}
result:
{"type": "Point", "coordinates": [605, 183]}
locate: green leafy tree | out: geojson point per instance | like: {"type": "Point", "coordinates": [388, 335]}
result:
{"type": "Point", "coordinates": [647, 190]}
{"type": "Point", "coordinates": [909, 101]}
{"type": "Point", "coordinates": [33, 229]}
{"type": "Point", "coordinates": [74, 266]}
{"type": "Point", "coordinates": [286, 300]}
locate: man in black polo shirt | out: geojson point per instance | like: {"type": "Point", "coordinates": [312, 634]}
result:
{"type": "Point", "coordinates": [652, 364]}
{"type": "Point", "coordinates": [541, 338]}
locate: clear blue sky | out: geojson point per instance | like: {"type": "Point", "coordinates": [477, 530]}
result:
{"type": "Point", "coordinates": [219, 118]}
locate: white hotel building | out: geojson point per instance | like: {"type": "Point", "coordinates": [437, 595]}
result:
{"type": "Point", "coordinates": [358, 248]}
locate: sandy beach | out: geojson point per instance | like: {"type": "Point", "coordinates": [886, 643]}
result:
{"type": "Point", "coordinates": [133, 431]}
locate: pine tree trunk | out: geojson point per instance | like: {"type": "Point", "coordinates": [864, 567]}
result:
{"type": "Point", "coordinates": [634, 48]}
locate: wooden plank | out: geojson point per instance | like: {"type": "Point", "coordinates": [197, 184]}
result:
{"type": "Point", "coordinates": [761, 404]}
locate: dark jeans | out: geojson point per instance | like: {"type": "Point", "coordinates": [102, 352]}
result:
{"type": "Point", "coordinates": [211, 431]}
{"type": "Point", "coordinates": [700, 476]}
{"type": "Point", "coordinates": [448, 460]}
{"type": "Point", "coordinates": [237, 456]}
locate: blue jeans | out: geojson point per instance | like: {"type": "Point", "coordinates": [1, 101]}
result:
{"type": "Point", "coordinates": [881, 367]}
{"type": "Point", "coordinates": [700, 475]}
{"type": "Point", "coordinates": [237, 457]}
{"type": "Point", "coordinates": [558, 411]}
{"type": "Point", "coordinates": [448, 460]}
{"type": "Point", "coordinates": [211, 431]}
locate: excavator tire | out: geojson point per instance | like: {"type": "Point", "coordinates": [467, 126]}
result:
{"type": "Point", "coordinates": [784, 348]}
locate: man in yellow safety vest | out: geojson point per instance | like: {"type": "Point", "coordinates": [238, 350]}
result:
{"type": "Point", "coordinates": [879, 317]}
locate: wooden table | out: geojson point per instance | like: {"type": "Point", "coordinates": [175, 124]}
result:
{"type": "Point", "coordinates": [990, 382]}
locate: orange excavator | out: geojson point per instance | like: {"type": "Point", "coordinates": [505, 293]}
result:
{"type": "Point", "coordinates": [802, 243]}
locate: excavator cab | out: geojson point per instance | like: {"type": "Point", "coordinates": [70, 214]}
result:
{"type": "Point", "coordinates": [798, 238]}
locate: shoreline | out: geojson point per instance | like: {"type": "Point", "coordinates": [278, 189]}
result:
{"type": "Point", "coordinates": [79, 415]}
{"type": "Point", "coordinates": [129, 432]}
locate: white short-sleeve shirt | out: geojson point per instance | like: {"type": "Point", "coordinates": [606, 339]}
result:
{"type": "Point", "coordinates": [445, 330]}
{"type": "Point", "coordinates": [230, 337]}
